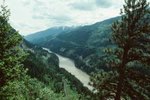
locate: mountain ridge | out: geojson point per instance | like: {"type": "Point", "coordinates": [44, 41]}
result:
{"type": "Point", "coordinates": [47, 32]}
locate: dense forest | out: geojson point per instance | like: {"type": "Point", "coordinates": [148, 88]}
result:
{"type": "Point", "coordinates": [114, 52]}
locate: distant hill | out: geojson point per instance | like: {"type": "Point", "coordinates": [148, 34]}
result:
{"type": "Point", "coordinates": [46, 34]}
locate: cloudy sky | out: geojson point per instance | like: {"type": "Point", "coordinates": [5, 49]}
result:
{"type": "Point", "coordinates": [29, 16]}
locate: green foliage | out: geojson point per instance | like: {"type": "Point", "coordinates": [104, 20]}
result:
{"type": "Point", "coordinates": [32, 89]}
{"type": "Point", "coordinates": [104, 84]}
{"type": "Point", "coordinates": [11, 55]}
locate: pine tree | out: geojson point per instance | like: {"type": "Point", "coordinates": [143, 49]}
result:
{"type": "Point", "coordinates": [128, 35]}
{"type": "Point", "coordinates": [131, 34]}
{"type": "Point", "coordinates": [11, 55]}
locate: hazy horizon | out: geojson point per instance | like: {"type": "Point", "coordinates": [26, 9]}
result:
{"type": "Point", "coordinates": [29, 16]}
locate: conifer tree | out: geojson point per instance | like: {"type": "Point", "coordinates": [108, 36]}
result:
{"type": "Point", "coordinates": [131, 34]}
{"type": "Point", "coordinates": [11, 55]}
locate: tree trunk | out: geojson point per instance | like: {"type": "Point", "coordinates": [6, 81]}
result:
{"type": "Point", "coordinates": [121, 76]}
{"type": "Point", "coordinates": [120, 85]}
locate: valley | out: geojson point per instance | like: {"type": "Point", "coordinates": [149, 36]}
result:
{"type": "Point", "coordinates": [69, 66]}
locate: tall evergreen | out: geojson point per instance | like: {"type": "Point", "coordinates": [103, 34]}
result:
{"type": "Point", "coordinates": [11, 55]}
{"type": "Point", "coordinates": [131, 34]}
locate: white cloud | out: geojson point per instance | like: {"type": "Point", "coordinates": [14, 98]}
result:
{"type": "Point", "coordinates": [29, 16]}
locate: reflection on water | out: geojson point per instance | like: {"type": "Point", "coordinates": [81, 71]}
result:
{"type": "Point", "coordinates": [69, 65]}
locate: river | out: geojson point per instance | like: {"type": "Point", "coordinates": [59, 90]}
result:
{"type": "Point", "coordinates": [69, 66]}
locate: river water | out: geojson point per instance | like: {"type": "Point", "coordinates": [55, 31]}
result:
{"type": "Point", "coordinates": [69, 66]}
